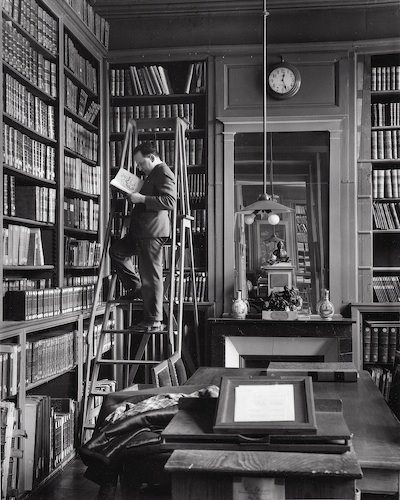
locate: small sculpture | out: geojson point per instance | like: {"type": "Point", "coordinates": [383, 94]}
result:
{"type": "Point", "coordinates": [279, 254]}
{"type": "Point", "coordinates": [287, 300]}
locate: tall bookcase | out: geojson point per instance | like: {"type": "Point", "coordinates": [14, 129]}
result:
{"type": "Point", "coordinates": [55, 198]}
{"type": "Point", "coordinates": [377, 314]}
{"type": "Point", "coordinates": [154, 89]}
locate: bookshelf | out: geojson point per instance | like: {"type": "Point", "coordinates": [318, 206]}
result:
{"type": "Point", "coordinates": [377, 313]}
{"type": "Point", "coordinates": [55, 198]}
{"type": "Point", "coordinates": [166, 88]}
{"type": "Point", "coordinates": [378, 179]}
{"type": "Point", "coordinates": [153, 90]}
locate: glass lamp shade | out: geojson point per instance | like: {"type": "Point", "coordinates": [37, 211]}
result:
{"type": "Point", "coordinates": [265, 205]}
{"type": "Point", "coordinates": [273, 219]}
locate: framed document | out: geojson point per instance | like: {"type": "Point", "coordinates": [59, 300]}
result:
{"type": "Point", "coordinates": [266, 406]}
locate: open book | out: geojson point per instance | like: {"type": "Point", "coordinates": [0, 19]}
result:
{"type": "Point", "coordinates": [126, 181]}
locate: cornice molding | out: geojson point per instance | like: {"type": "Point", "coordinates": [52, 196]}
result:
{"type": "Point", "coordinates": [199, 52]}
{"type": "Point", "coordinates": [125, 9]}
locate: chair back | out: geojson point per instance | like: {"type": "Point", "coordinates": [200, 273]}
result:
{"type": "Point", "coordinates": [177, 370]}
{"type": "Point", "coordinates": [161, 375]}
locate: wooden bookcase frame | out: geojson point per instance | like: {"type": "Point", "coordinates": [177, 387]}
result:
{"type": "Point", "coordinates": [17, 331]}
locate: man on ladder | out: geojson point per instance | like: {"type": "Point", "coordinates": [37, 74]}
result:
{"type": "Point", "coordinates": [148, 231]}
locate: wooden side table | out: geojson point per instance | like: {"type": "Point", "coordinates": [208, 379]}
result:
{"type": "Point", "coordinates": [209, 474]}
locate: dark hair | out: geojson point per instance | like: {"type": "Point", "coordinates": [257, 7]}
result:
{"type": "Point", "coordinates": [146, 148]}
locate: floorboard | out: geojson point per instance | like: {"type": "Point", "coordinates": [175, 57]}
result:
{"type": "Point", "coordinates": [69, 484]}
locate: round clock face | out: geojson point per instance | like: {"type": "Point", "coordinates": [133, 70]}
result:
{"type": "Point", "coordinates": [284, 81]}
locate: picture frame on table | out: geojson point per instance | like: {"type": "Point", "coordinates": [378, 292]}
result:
{"type": "Point", "coordinates": [254, 406]}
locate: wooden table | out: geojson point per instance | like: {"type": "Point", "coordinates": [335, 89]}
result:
{"type": "Point", "coordinates": [376, 430]}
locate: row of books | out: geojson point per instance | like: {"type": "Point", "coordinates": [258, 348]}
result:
{"type": "Point", "coordinates": [35, 202]}
{"type": "Point", "coordinates": [82, 177]}
{"type": "Point", "coordinates": [199, 224]}
{"type": "Point", "coordinates": [383, 379]}
{"type": "Point", "coordinates": [76, 99]}
{"type": "Point", "coordinates": [200, 287]}
{"type": "Point", "coordinates": [81, 252]}
{"type": "Point", "coordinates": [303, 257]}
{"type": "Point", "coordinates": [28, 155]}
{"type": "Point", "coordinates": [386, 288]}
{"type": "Point", "coordinates": [50, 429]}
{"type": "Point", "coordinates": [301, 210]}
{"type": "Point", "coordinates": [28, 109]}
{"type": "Point", "coordinates": [196, 81]}
{"type": "Point", "coordinates": [154, 80]}
{"type": "Point", "coordinates": [93, 345]}
{"type": "Point", "coordinates": [386, 183]}
{"type": "Point", "coordinates": [80, 140]}
{"type": "Point", "coordinates": [40, 25]}
{"type": "Point", "coordinates": [8, 195]}
{"type": "Point", "coordinates": [385, 114]}
{"type": "Point", "coordinates": [22, 246]}
{"type": "Point", "coordinates": [380, 342]}
{"type": "Point", "coordinates": [9, 419]}
{"type": "Point", "coordinates": [385, 144]}
{"type": "Point", "coordinates": [10, 362]}
{"type": "Point", "coordinates": [18, 53]}
{"type": "Point", "coordinates": [36, 304]}
{"type": "Point", "coordinates": [81, 214]}
{"type": "Point", "coordinates": [385, 78]}
{"type": "Point", "coordinates": [79, 280]}
{"type": "Point", "coordinates": [120, 115]}
{"type": "Point", "coordinates": [47, 356]}
{"type": "Point", "coordinates": [82, 68]}
{"type": "Point", "coordinates": [386, 215]}
{"type": "Point", "coordinates": [166, 149]}
{"type": "Point", "coordinates": [96, 24]}
{"type": "Point", "coordinates": [197, 186]}
{"type": "Point", "coordinates": [25, 284]}
{"type": "Point", "coordinates": [63, 431]}
{"type": "Point", "coordinates": [144, 80]}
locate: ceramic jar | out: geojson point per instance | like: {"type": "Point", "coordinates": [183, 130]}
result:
{"type": "Point", "coordinates": [239, 307]}
{"type": "Point", "coordinates": [325, 307]}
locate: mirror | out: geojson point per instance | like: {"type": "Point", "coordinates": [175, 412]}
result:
{"type": "Point", "coordinates": [299, 180]}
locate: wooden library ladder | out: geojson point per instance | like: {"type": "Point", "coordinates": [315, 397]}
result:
{"type": "Point", "coordinates": [181, 243]}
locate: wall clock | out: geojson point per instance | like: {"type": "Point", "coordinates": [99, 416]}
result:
{"type": "Point", "coordinates": [284, 81]}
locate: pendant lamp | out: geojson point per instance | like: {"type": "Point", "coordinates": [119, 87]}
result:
{"type": "Point", "coordinates": [265, 202]}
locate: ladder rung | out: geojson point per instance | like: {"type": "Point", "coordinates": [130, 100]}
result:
{"type": "Point", "coordinates": [123, 300]}
{"type": "Point", "coordinates": [128, 331]}
{"type": "Point", "coordinates": [127, 362]}
{"type": "Point", "coordinates": [89, 426]}
{"type": "Point", "coordinates": [99, 393]}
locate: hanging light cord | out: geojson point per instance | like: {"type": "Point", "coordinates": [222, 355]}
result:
{"type": "Point", "coordinates": [265, 15]}
{"type": "Point", "coordinates": [271, 167]}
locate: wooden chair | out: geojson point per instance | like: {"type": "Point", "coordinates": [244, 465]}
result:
{"type": "Point", "coordinates": [177, 370]}
{"type": "Point", "coordinates": [160, 375]}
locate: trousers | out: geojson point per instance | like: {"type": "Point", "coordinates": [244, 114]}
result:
{"type": "Point", "coordinates": [149, 280]}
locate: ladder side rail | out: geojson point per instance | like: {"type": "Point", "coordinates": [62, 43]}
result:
{"type": "Point", "coordinates": [126, 156]}
{"type": "Point", "coordinates": [131, 129]}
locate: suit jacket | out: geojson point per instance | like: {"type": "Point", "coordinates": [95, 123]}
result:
{"type": "Point", "coordinates": [151, 219]}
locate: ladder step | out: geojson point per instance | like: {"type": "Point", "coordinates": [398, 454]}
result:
{"type": "Point", "coordinates": [127, 362]}
{"type": "Point", "coordinates": [125, 300]}
{"type": "Point", "coordinates": [129, 331]}
{"type": "Point", "coordinates": [89, 426]}
{"type": "Point", "coordinates": [99, 393]}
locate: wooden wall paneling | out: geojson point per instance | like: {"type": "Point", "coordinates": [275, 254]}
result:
{"type": "Point", "coordinates": [324, 84]}
{"type": "Point", "coordinates": [1, 176]}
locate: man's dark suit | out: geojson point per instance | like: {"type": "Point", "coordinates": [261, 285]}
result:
{"type": "Point", "coordinates": [149, 227]}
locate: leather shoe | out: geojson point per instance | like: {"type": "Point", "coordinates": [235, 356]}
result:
{"type": "Point", "coordinates": [132, 295]}
{"type": "Point", "coordinates": [146, 326]}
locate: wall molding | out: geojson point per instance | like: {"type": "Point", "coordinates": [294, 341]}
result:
{"type": "Point", "coordinates": [123, 9]}
{"type": "Point", "coordinates": [193, 52]}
